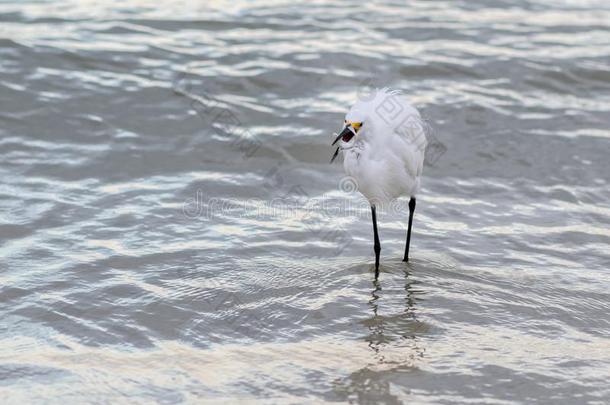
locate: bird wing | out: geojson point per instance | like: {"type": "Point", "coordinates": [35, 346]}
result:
{"type": "Point", "coordinates": [408, 138]}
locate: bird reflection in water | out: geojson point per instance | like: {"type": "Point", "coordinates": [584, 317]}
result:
{"type": "Point", "coordinates": [395, 331]}
{"type": "Point", "coordinates": [396, 342]}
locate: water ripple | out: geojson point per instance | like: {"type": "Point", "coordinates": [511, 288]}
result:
{"type": "Point", "coordinates": [170, 228]}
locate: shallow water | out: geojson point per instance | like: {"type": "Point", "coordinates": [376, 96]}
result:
{"type": "Point", "coordinates": [171, 230]}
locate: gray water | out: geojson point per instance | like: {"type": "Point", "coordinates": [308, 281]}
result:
{"type": "Point", "coordinates": [171, 230]}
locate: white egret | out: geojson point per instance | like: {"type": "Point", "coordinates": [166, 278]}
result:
{"type": "Point", "coordinates": [383, 142]}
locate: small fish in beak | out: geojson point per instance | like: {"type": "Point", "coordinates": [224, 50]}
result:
{"type": "Point", "coordinates": [346, 135]}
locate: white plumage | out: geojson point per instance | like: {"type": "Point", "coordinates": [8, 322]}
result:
{"type": "Point", "coordinates": [383, 142]}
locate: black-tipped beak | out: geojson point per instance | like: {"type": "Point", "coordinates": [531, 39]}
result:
{"type": "Point", "coordinates": [335, 155]}
{"type": "Point", "coordinates": [347, 134]}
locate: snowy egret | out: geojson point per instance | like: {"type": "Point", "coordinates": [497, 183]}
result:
{"type": "Point", "coordinates": [383, 142]}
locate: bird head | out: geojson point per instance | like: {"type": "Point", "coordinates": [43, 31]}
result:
{"type": "Point", "coordinates": [352, 127]}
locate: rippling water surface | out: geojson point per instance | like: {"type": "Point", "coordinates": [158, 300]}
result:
{"type": "Point", "coordinates": [171, 229]}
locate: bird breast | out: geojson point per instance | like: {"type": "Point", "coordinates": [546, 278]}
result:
{"type": "Point", "coordinates": [381, 177]}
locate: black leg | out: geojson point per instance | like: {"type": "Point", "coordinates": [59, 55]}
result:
{"type": "Point", "coordinates": [411, 211]}
{"type": "Point", "coordinates": [377, 244]}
